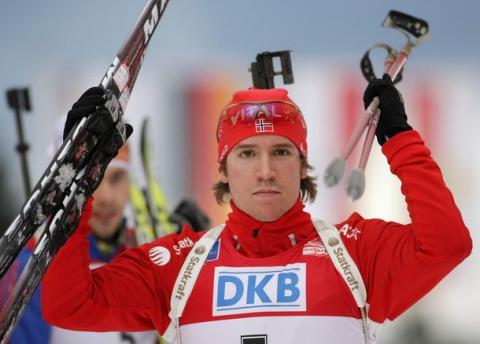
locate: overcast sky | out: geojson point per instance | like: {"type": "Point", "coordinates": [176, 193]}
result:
{"type": "Point", "coordinates": [31, 31]}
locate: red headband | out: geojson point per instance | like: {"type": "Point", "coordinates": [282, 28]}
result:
{"type": "Point", "coordinates": [260, 112]}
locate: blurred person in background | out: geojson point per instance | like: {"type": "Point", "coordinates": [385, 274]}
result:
{"type": "Point", "coordinates": [271, 274]}
{"type": "Point", "coordinates": [109, 237]}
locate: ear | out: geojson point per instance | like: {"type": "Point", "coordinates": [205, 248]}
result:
{"type": "Point", "coordinates": [303, 172]}
{"type": "Point", "coordinates": [223, 177]}
{"type": "Point", "coordinates": [222, 169]}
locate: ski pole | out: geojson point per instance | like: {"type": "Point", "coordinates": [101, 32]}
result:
{"type": "Point", "coordinates": [409, 26]}
{"type": "Point", "coordinates": [356, 181]}
{"type": "Point", "coordinates": [18, 100]}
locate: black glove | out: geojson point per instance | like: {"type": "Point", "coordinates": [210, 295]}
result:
{"type": "Point", "coordinates": [85, 106]}
{"type": "Point", "coordinates": [393, 118]}
{"type": "Point", "coordinates": [187, 212]}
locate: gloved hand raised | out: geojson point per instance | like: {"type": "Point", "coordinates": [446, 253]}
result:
{"type": "Point", "coordinates": [393, 118]}
{"type": "Point", "coordinates": [88, 102]}
{"type": "Point", "coordinates": [85, 106]}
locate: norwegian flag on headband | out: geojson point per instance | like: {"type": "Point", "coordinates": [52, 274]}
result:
{"type": "Point", "coordinates": [263, 126]}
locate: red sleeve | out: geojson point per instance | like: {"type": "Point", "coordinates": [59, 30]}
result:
{"type": "Point", "coordinates": [402, 263]}
{"type": "Point", "coordinates": [77, 298]}
{"type": "Point", "coordinates": [119, 296]}
{"type": "Point", "coordinates": [129, 294]}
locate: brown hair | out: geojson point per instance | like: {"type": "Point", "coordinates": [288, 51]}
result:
{"type": "Point", "coordinates": [308, 186]}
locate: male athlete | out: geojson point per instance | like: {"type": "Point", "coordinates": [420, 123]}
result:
{"type": "Point", "coordinates": [271, 274]}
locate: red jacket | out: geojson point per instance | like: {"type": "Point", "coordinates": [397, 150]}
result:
{"type": "Point", "coordinates": [399, 263]}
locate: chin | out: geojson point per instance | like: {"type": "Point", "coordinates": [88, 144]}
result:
{"type": "Point", "coordinates": [269, 215]}
{"type": "Point", "coordinates": [267, 218]}
{"type": "Point", "coordinates": [104, 230]}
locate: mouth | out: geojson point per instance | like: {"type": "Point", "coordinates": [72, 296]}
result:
{"type": "Point", "coordinates": [103, 217]}
{"type": "Point", "coordinates": [266, 193]}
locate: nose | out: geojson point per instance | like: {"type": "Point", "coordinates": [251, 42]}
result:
{"type": "Point", "coordinates": [103, 194]}
{"type": "Point", "coordinates": [266, 168]}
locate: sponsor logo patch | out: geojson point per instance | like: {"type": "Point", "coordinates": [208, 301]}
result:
{"type": "Point", "coordinates": [332, 242]}
{"type": "Point", "coordinates": [200, 250]}
{"type": "Point", "coordinates": [159, 255]}
{"type": "Point", "coordinates": [214, 252]}
{"type": "Point", "coordinates": [315, 248]}
{"type": "Point", "coordinates": [263, 126]}
{"type": "Point", "coordinates": [350, 232]}
{"type": "Point", "coordinates": [259, 289]}
{"type": "Point", "coordinates": [187, 274]}
{"type": "Point", "coordinates": [184, 243]}
{"type": "Point", "coordinates": [343, 263]}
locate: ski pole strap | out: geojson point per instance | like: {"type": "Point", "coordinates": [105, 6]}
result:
{"type": "Point", "coordinates": [342, 260]}
{"type": "Point", "coordinates": [190, 270]}
{"type": "Point", "coordinates": [188, 276]}
{"type": "Point", "coordinates": [367, 67]}
{"type": "Point", "coordinates": [346, 267]}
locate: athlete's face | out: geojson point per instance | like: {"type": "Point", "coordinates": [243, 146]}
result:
{"type": "Point", "coordinates": [110, 199]}
{"type": "Point", "coordinates": [263, 173]}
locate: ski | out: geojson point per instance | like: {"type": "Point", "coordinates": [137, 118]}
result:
{"type": "Point", "coordinates": [147, 200]}
{"type": "Point", "coordinates": [144, 231]}
{"type": "Point", "coordinates": [155, 197]}
{"type": "Point", "coordinates": [186, 212]}
{"type": "Point", "coordinates": [77, 148]}
{"type": "Point", "coordinates": [57, 230]}
{"type": "Point", "coordinates": [56, 202]}
{"type": "Point", "coordinates": [47, 194]}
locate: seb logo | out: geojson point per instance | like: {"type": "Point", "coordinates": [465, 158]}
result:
{"type": "Point", "coordinates": [259, 289]}
{"type": "Point", "coordinates": [187, 242]}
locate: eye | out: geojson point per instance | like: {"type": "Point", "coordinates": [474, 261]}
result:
{"type": "Point", "coordinates": [118, 177]}
{"type": "Point", "coordinates": [281, 152]}
{"type": "Point", "coordinates": [246, 153]}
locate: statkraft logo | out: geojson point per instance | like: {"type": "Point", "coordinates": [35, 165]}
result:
{"type": "Point", "coordinates": [259, 289]}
